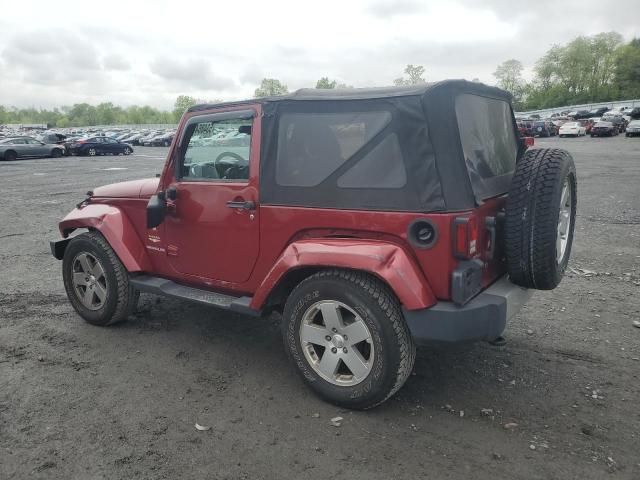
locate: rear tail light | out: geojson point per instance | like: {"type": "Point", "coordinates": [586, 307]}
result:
{"type": "Point", "coordinates": [465, 237]}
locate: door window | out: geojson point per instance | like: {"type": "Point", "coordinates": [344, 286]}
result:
{"type": "Point", "coordinates": [217, 150]}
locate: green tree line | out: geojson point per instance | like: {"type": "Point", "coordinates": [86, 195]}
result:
{"type": "Point", "coordinates": [589, 69]}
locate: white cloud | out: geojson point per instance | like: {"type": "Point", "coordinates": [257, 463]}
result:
{"type": "Point", "coordinates": [148, 52]}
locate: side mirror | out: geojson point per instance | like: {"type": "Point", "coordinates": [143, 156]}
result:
{"type": "Point", "coordinates": [156, 210]}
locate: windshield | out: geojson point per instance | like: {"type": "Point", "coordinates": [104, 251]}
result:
{"type": "Point", "coordinates": [489, 143]}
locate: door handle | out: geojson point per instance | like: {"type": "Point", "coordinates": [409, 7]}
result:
{"type": "Point", "coordinates": [241, 204]}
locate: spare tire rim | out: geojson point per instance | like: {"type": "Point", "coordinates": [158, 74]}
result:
{"type": "Point", "coordinates": [564, 221]}
{"type": "Point", "coordinates": [89, 281]}
{"type": "Point", "coordinates": [337, 343]}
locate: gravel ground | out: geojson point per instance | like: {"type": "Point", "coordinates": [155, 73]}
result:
{"type": "Point", "coordinates": [560, 399]}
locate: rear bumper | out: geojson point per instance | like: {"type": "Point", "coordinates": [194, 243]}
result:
{"type": "Point", "coordinates": [483, 318]}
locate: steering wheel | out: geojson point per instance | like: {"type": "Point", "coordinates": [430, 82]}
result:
{"type": "Point", "coordinates": [229, 154]}
{"type": "Point", "coordinates": [235, 170]}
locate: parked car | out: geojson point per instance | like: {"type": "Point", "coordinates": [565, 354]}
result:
{"type": "Point", "coordinates": [598, 112]}
{"type": "Point", "coordinates": [338, 219]}
{"type": "Point", "coordinates": [572, 129]}
{"type": "Point", "coordinates": [543, 129]}
{"type": "Point", "coordinates": [163, 140]}
{"type": "Point", "coordinates": [93, 146]}
{"type": "Point", "coordinates": [581, 114]}
{"type": "Point", "coordinates": [604, 129]}
{"type": "Point", "coordinates": [633, 129]}
{"type": "Point", "coordinates": [617, 120]}
{"type": "Point", "coordinates": [21, 147]}
{"type": "Point", "coordinates": [588, 124]}
{"type": "Point", "coordinates": [634, 113]}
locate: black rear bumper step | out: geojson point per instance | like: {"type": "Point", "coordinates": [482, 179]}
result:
{"type": "Point", "coordinates": [162, 286]}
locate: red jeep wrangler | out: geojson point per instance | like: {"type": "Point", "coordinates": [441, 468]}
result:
{"type": "Point", "coordinates": [373, 219]}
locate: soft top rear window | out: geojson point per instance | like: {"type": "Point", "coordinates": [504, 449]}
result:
{"type": "Point", "coordinates": [489, 143]}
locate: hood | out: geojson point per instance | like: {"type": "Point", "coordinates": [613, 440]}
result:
{"type": "Point", "coordinates": [132, 189]}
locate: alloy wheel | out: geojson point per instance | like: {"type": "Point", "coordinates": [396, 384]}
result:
{"type": "Point", "coordinates": [337, 343]}
{"type": "Point", "coordinates": [89, 281]}
{"type": "Point", "coordinates": [564, 221]}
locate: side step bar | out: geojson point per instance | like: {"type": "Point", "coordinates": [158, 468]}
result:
{"type": "Point", "coordinates": [168, 288]}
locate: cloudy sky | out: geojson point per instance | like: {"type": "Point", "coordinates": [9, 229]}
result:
{"type": "Point", "coordinates": [147, 52]}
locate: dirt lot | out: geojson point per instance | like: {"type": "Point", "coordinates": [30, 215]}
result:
{"type": "Point", "coordinates": [84, 402]}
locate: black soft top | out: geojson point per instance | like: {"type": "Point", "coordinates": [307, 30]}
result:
{"type": "Point", "coordinates": [426, 89]}
{"type": "Point", "coordinates": [422, 121]}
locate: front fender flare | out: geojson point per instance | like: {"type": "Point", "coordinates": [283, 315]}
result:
{"type": "Point", "coordinates": [116, 228]}
{"type": "Point", "coordinates": [384, 260]}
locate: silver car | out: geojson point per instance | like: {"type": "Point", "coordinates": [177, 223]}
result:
{"type": "Point", "coordinates": [17, 147]}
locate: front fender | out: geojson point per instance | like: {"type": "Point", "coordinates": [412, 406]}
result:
{"type": "Point", "coordinates": [116, 228]}
{"type": "Point", "coordinates": [385, 260]}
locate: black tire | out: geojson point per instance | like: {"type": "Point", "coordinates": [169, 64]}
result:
{"type": "Point", "coordinates": [127, 151]}
{"type": "Point", "coordinates": [10, 156]}
{"type": "Point", "coordinates": [380, 310]}
{"type": "Point", "coordinates": [121, 298]}
{"type": "Point", "coordinates": [532, 214]}
{"type": "Point", "coordinates": [56, 153]}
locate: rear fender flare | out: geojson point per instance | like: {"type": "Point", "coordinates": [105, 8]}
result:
{"type": "Point", "coordinates": [116, 228]}
{"type": "Point", "coordinates": [387, 261]}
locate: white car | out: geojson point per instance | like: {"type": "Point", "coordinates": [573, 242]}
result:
{"type": "Point", "coordinates": [573, 129]}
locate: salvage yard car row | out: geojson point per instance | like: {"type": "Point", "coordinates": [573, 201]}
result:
{"type": "Point", "coordinates": [579, 123]}
{"type": "Point", "coordinates": [23, 143]}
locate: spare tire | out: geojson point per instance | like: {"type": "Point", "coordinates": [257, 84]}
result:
{"type": "Point", "coordinates": [540, 218]}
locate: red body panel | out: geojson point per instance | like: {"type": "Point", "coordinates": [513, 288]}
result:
{"type": "Point", "coordinates": [116, 228]}
{"type": "Point", "coordinates": [204, 243]}
{"type": "Point", "coordinates": [386, 261]}
{"type": "Point", "coordinates": [130, 189]}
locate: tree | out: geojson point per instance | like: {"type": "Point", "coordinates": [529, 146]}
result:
{"type": "Point", "coordinates": [627, 70]}
{"type": "Point", "coordinates": [415, 76]}
{"type": "Point", "coordinates": [270, 87]}
{"type": "Point", "coordinates": [582, 71]}
{"type": "Point", "coordinates": [325, 83]}
{"type": "Point", "coordinates": [182, 104]}
{"type": "Point", "coordinates": [509, 75]}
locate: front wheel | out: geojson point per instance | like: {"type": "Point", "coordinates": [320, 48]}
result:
{"type": "Point", "coordinates": [96, 282]}
{"type": "Point", "coordinates": [345, 333]}
{"type": "Point", "coordinates": [56, 153]}
{"type": "Point", "coordinates": [127, 151]}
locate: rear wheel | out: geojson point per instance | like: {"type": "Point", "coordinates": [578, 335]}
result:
{"type": "Point", "coordinates": [10, 156]}
{"type": "Point", "coordinates": [540, 218]}
{"type": "Point", "coordinates": [345, 333]}
{"type": "Point", "coordinates": [56, 153]}
{"type": "Point", "coordinates": [96, 282]}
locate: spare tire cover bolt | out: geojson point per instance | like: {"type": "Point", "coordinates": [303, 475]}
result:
{"type": "Point", "coordinates": [334, 350]}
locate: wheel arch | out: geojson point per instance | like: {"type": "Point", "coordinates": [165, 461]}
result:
{"type": "Point", "coordinates": [10, 151]}
{"type": "Point", "coordinates": [388, 262]}
{"type": "Point", "coordinates": [117, 230]}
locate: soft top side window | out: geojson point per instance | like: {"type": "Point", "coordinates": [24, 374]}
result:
{"type": "Point", "coordinates": [216, 147]}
